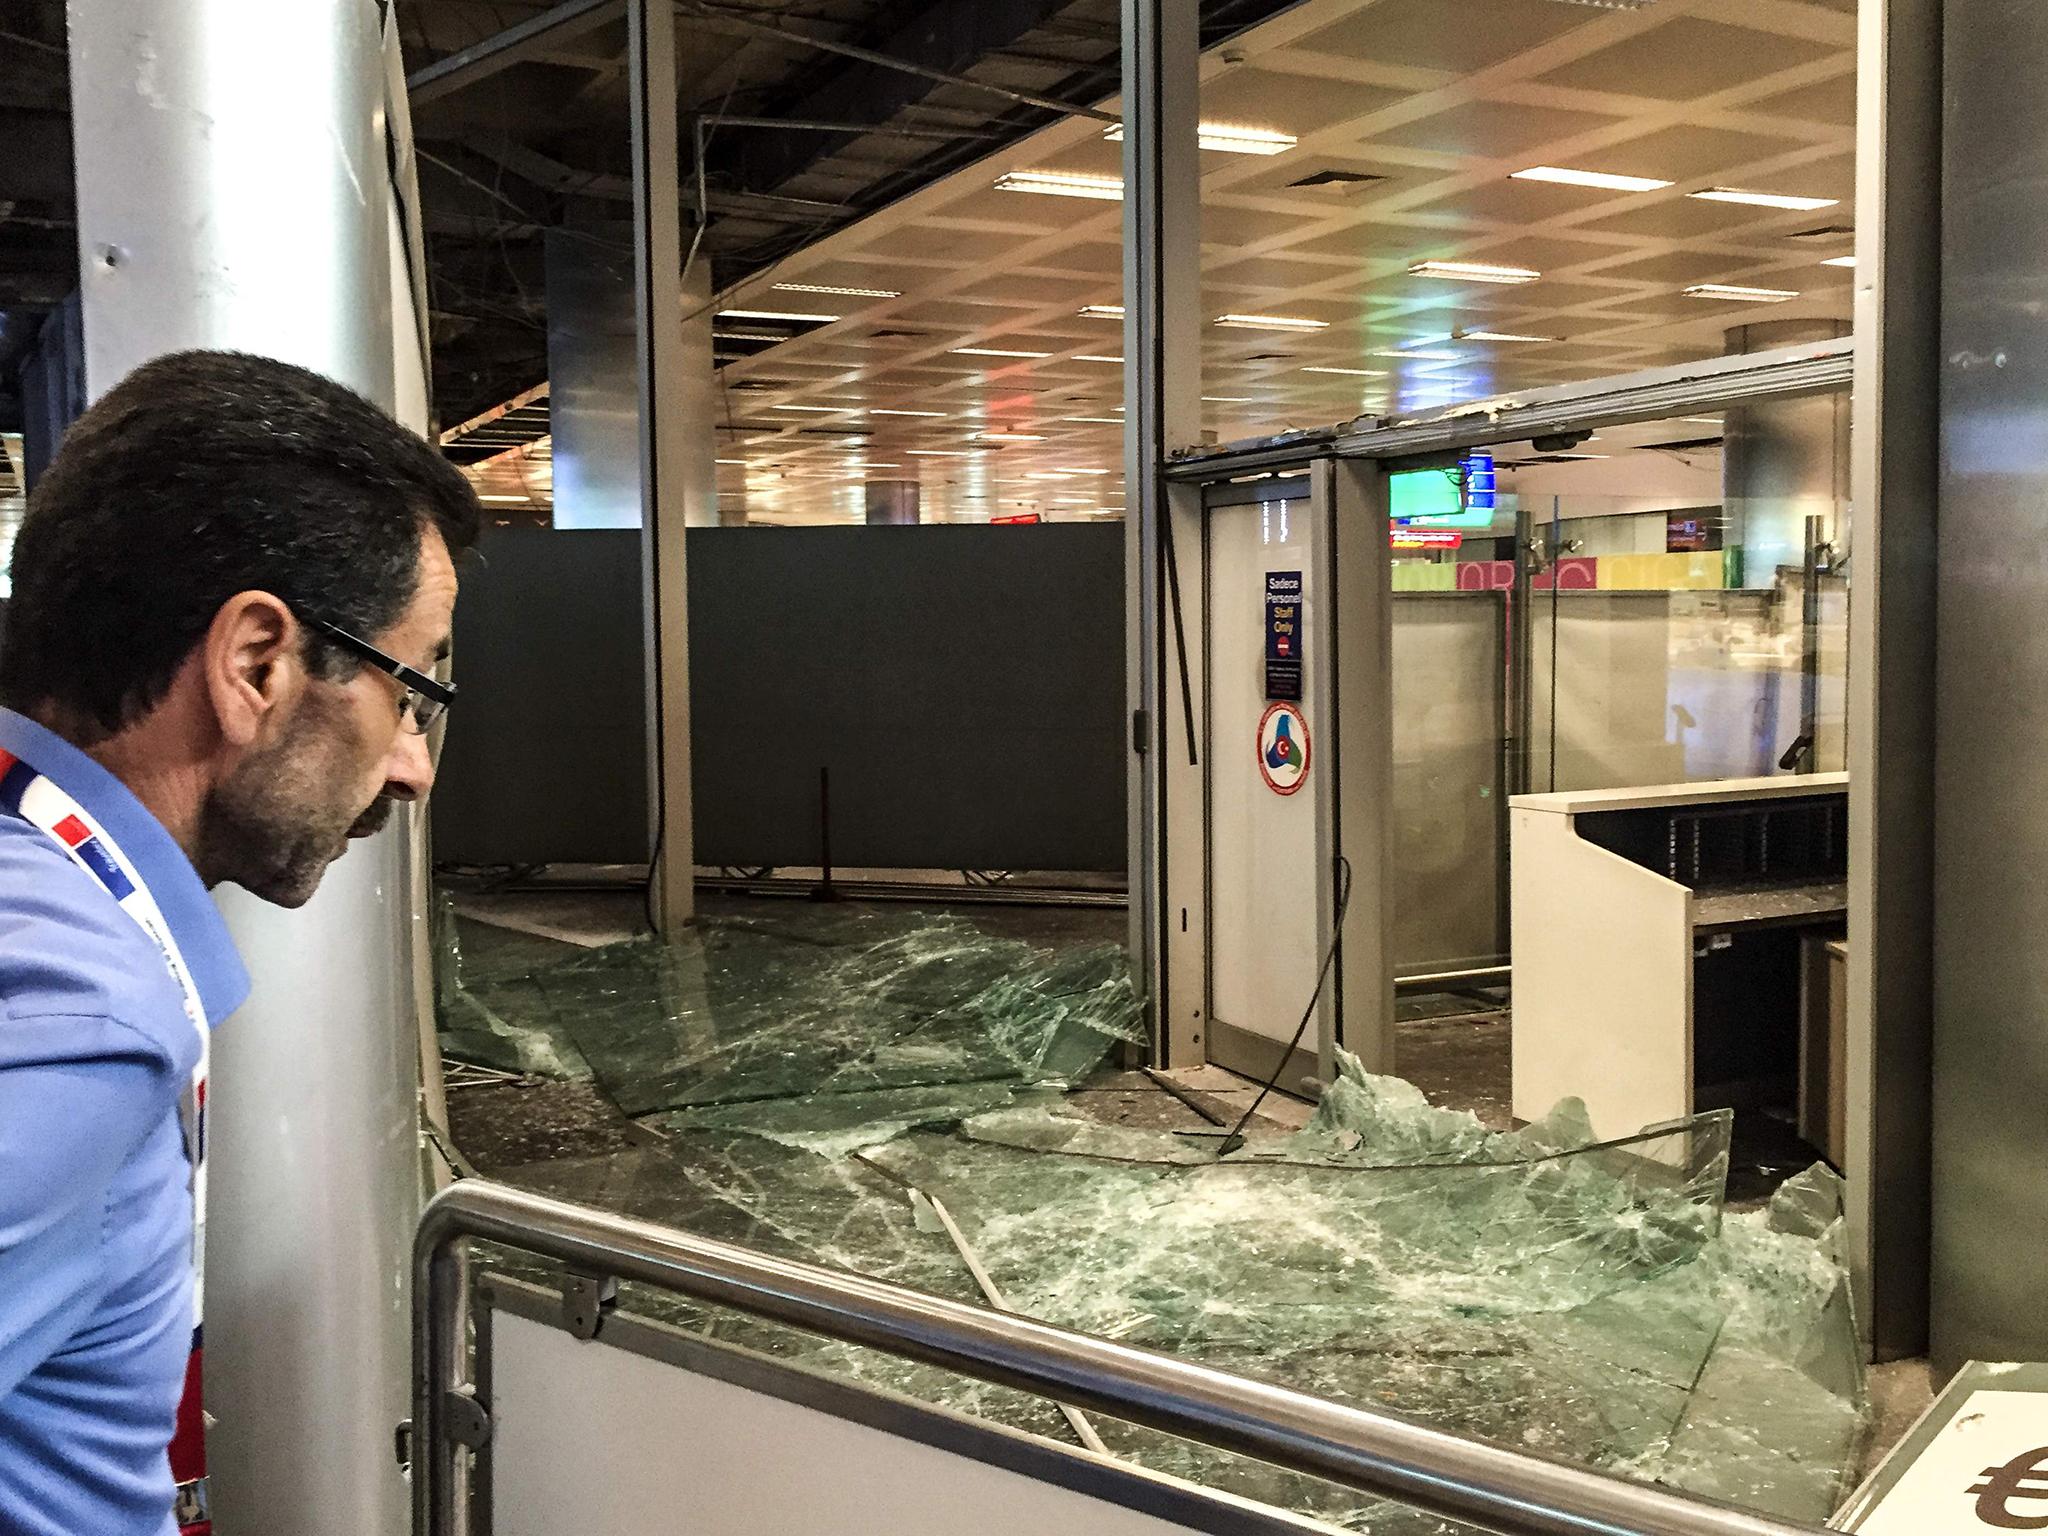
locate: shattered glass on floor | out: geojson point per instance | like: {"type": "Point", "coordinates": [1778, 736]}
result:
{"type": "Point", "coordinates": [1594, 1302]}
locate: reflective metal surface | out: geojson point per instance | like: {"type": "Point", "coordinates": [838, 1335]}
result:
{"type": "Point", "coordinates": [1459, 1479]}
{"type": "Point", "coordinates": [1990, 1186]}
{"type": "Point", "coordinates": [234, 191]}
{"type": "Point", "coordinates": [593, 380]}
{"type": "Point", "coordinates": [1894, 470]}
{"type": "Point", "coordinates": [1651, 395]}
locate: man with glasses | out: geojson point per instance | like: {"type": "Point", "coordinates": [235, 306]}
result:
{"type": "Point", "coordinates": [231, 594]}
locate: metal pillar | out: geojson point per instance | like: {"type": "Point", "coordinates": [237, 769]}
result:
{"type": "Point", "coordinates": [233, 191]}
{"type": "Point", "coordinates": [1895, 480]}
{"type": "Point", "coordinates": [1162, 398]}
{"type": "Point", "coordinates": [892, 501]}
{"type": "Point", "coordinates": [669, 469]}
{"type": "Point", "coordinates": [1359, 812]}
{"type": "Point", "coordinates": [1990, 1014]}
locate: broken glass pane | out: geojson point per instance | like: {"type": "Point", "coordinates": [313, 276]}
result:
{"type": "Point", "coordinates": [853, 1001]}
{"type": "Point", "coordinates": [809, 1071]}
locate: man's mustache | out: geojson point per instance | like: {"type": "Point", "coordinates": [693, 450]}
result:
{"type": "Point", "coordinates": [372, 820]}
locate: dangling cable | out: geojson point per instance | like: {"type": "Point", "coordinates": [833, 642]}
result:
{"type": "Point", "coordinates": [1235, 1137]}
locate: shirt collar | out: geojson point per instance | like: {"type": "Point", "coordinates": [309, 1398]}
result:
{"type": "Point", "coordinates": [195, 922]}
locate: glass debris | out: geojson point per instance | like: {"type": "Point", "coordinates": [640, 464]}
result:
{"type": "Point", "coordinates": [1591, 1301]}
{"type": "Point", "coordinates": [754, 1009]}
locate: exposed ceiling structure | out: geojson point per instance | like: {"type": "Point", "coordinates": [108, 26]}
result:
{"type": "Point", "coordinates": [1436, 105]}
{"type": "Point", "coordinates": [809, 117]}
{"type": "Point", "coordinates": [38, 238]}
{"type": "Point", "coordinates": [1400, 127]}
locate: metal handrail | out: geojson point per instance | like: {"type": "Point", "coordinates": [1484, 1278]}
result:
{"type": "Point", "coordinates": [1471, 1481]}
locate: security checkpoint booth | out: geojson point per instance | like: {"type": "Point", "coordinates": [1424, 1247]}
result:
{"type": "Point", "coordinates": [1335, 759]}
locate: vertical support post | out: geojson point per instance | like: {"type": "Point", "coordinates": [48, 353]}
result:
{"type": "Point", "coordinates": [1363, 596]}
{"type": "Point", "coordinates": [234, 191]}
{"type": "Point", "coordinates": [667, 387]}
{"type": "Point", "coordinates": [1162, 399]}
{"type": "Point", "coordinates": [1990, 1006]}
{"type": "Point", "coordinates": [1895, 481]}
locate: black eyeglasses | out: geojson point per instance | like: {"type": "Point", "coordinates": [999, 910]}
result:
{"type": "Point", "coordinates": [425, 697]}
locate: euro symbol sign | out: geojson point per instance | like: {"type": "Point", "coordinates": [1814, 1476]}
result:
{"type": "Point", "coordinates": [2020, 1478]}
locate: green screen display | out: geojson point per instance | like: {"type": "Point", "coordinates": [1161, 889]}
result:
{"type": "Point", "coordinates": [1444, 498]}
{"type": "Point", "coordinates": [1430, 493]}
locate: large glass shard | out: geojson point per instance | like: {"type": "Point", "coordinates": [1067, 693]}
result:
{"type": "Point", "coordinates": [856, 1002]}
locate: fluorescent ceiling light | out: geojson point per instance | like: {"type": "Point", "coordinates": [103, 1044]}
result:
{"type": "Point", "coordinates": [504, 498]}
{"type": "Point", "coordinates": [1739, 293]}
{"type": "Point", "coordinates": [1499, 336]}
{"type": "Point", "coordinates": [827, 410]}
{"type": "Point", "coordinates": [1066, 471]}
{"type": "Point", "coordinates": [1606, 180]}
{"type": "Point", "coordinates": [1839, 261]}
{"type": "Point", "coordinates": [1102, 311]}
{"type": "Point", "coordinates": [1011, 437]}
{"type": "Point", "coordinates": [1474, 272]}
{"type": "Point", "coordinates": [1228, 138]}
{"type": "Point", "coordinates": [1044, 474]}
{"type": "Point", "coordinates": [1095, 357]}
{"type": "Point", "coordinates": [1104, 421]}
{"type": "Point", "coordinates": [776, 314]}
{"type": "Point", "coordinates": [1272, 323]}
{"type": "Point", "coordinates": [1423, 357]}
{"type": "Point", "coordinates": [1108, 189]}
{"type": "Point", "coordinates": [1354, 373]}
{"type": "Point", "coordinates": [741, 462]}
{"type": "Point", "coordinates": [1763, 199]}
{"type": "Point", "coordinates": [995, 352]}
{"type": "Point", "coordinates": [938, 453]}
{"type": "Point", "coordinates": [851, 293]}
{"type": "Point", "coordinates": [887, 411]}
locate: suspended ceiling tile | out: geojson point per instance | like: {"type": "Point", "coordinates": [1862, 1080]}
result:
{"type": "Point", "coordinates": [1250, 97]}
{"type": "Point", "coordinates": [1092, 156]}
{"type": "Point", "coordinates": [1277, 177]}
{"type": "Point", "coordinates": [1540, 253]}
{"type": "Point", "coordinates": [960, 247]}
{"type": "Point", "coordinates": [1279, 272]}
{"type": "Point", "coordinates": [1681, 268]}
{"type": "Point", "coordinates": [1681, 154]}
{"type": "Point", "coordinates": [1489, 130]}
{"type": "Point", "coordinates": [1225, 224]}
{"type": "Point", "coordinates": [1418, 33]}
{"type": "Point", "coordinates": [1831, 101]}
{"type": "Point", "coordinates": [938, 315]}
{"type": "Point", "coordinates": [1686, 58]}
{"type": "Point", "coordinates": [1670, 217]}
{"type": "Point", "coordinates": [1017, 289]}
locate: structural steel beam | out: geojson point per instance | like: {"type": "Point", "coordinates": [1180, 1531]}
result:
{"type": "Point", "coordinates": [896, 72]}
{"type": "Point", "coordinates": [531, 39]}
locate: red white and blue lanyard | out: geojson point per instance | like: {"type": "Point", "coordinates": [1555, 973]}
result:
{"type": "Point", "coordinates": [40, 801]}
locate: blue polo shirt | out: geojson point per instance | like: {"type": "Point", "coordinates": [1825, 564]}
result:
{"type": "Point", "coordinates": [95, 1210]}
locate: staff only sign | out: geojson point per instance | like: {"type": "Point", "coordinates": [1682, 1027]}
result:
{"type": "Point", "coordinates": [1976, 1463]}
{"type": "Point", "coordinates": [1284, 635]}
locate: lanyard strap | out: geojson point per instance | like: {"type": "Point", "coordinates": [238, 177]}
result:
{"type": "Point", "coordinates": [38, 800]}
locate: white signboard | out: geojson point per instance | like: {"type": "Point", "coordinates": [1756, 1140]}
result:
{"type": "Point", "coordinates": [644, 1432]}
{"type": "Point", "coordinates": [1978, 1465]}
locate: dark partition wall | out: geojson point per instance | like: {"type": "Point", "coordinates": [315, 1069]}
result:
{"type": "Point", "coordinates": [546, 758]}
{"type": "Point", "coordinates": [964, 686]}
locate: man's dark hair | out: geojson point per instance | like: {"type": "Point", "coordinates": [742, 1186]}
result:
{"type": "Point", "coordinates": [200, 475]}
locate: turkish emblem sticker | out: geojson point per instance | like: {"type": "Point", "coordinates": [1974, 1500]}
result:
{"type": "Point", "coordinates": [1283, 748]}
